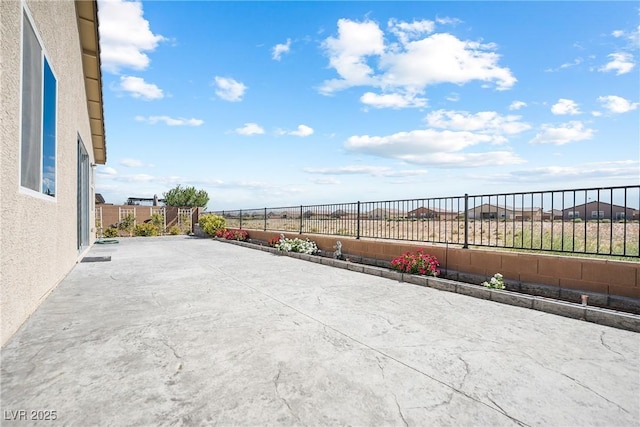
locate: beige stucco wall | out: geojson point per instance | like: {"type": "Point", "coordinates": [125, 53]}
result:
{"type": "Point", "coordinates": [38, 243]}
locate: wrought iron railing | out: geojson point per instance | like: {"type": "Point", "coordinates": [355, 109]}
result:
{"type": "Point", "coordinates": [602, 221]}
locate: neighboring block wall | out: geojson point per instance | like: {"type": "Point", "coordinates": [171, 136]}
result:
{"type": "Point", "coordinates": [38, 237]}
{"type": "Point", "coordinates": [617, 278]}
{"type": "Point", "coordinates": [110, 214]}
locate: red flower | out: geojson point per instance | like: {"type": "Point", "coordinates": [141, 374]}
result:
{"type": "Point", "coordinates": [416, 263]}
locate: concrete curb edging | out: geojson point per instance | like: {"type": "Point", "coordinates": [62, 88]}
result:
{"type": "Point", "coordinates": [601, 316]}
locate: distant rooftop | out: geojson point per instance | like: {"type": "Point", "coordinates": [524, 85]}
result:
{"type": "Point", "coordinates": [145, 201]}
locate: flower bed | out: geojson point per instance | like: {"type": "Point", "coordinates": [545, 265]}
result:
{"type": "Point", "coordinates": [417, 263]}
{"type": "Point", "coordinates": [295, 245]}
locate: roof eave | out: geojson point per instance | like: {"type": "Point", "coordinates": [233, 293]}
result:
{"type": "Point", "coordinates": [87, 15]}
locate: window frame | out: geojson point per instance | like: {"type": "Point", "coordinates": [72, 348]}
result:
{"type": "Point", "coordinates": [45, 99]}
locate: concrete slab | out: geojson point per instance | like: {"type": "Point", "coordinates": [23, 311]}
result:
{"type": "Point", "coordinates": [184, 331]}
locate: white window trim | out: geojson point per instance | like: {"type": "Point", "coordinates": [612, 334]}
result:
{"type": "Point", "coordinates": [45, 56]}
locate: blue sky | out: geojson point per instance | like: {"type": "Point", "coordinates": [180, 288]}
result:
{"type": "Point", "coordinates": [288, 103]}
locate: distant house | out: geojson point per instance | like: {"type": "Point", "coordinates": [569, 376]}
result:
{"type": "Point", "coordinates": [145, 201]}
{"type": "Point", "coordinates": [52, 135]}
{"type": "Point", "coordinates": [552, 214]}
{"type": "Point", "coordinates": [382, 213]}
{"type": "Point", "coordinates": [528, 214]}
{"type": "Point", "coordinates": [431, 213]}
{"type": "Point", "coordinates": [284, 214]}
{"type": "Point", "coordinates": [490, 211]}
{"type": "Point", "coordinates": [422, 212]}
{"type": "Point", "coordinates": [598, 210]}
{"type": "Point", "coordinates": [340, 213]}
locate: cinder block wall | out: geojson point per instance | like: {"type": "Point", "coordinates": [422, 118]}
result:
{"type": "Point", "coordinates": [615, 278]}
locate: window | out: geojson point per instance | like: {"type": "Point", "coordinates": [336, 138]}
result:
{"type": "Point", "coordinates": [620, 215]}
{"type": "Point", "coordinates": [574, 214]}
{"type": "Point", "coordinates": [597, 214]}
{"type": "Point", "coordinates": [39, 108]}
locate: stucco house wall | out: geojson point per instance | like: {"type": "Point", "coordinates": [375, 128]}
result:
{"type": "Point", "coordinates": [38, 233]}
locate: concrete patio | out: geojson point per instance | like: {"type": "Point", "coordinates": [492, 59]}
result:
{"type": "Point", "coordinates": [187, 331]}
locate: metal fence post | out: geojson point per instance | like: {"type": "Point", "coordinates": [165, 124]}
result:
{"type": "Point", "coordinates": [265, 219]}
{"type": "Point", "coordinates": [240, 219]}
{"type": "Point", "coordinates": [358, 222]}
{"type": "Point", "coordinates": [466, 221]}
{"type": "Point", "coordinates": [300, 219]}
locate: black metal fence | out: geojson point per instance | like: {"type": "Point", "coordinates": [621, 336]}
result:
{"type": "Point", "coordinates": [602, 221]}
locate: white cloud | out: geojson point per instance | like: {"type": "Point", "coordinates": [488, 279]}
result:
{"type": "Point", "coordinates": [431, 147]}
{"type": "Point", "coordinates": [516, 105]}
{"type": "Point", "coordinates": [229, 89]}
{"type": "Point", "coordinates": [471, 160]}
{"type": "Point", "coordinates": [348, 52]}
{"type": "Point", "coordinates": [406, 31]}
{"type": "Point", "coordinates": [138, 88]}
{"type": "Point", "coordinates": [125, 35]}
{"type": "Point", "coordinates": [453, 97]}
{"type": "Point", "coordinates": [415, 143]}
{"type": "Point", "coordinates": [568, 132]}
{"type": "Point", "coordinates": [250, 129]}
{"type": "Point", "coordinates": [134, 163]}
{"type": "Point", "coordinates": [448, 21]}
{"type": "Point", "coordinates": [577, 173]}
{"type": "Point", "coordinates": [169, 121]}
{"type": "Point", "coordinates": [377, 171]}
{"type": "Point", "coordinates": [617, 104]}
{"type": "Point", "coordinates": [443, 144]}
{"type": "Point", "coordinates": [408, 66]}
{"type": "Point", "coordinates": [279, 49]}
{"type": "Point", "coordinates": [566, 65]}
{"type": "Point", "coordinates": [484, 122]}
{"type": "Point", "coordinates": [575, 62]}
{"type": "Point", "coordinates": [564, 107]}
{"type": "Point", "coordinates": [633, 36]}
{"type": "Point", "coordinates": [303, 130]}
{"type": "Point", "coordinates": [392, 100]}
{"type": "Point", "coordinates": [107, 170]}
{"type": "Point", "coordinates": [329, 180]}
{"type": "Point", "coordinates": [621, 63]}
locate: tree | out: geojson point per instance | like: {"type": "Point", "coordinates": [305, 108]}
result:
{"type": "Point", "coordinates": [187, 197]}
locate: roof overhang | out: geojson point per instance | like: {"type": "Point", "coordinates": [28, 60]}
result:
{"type": "Point", "coordinates": [87, 13]}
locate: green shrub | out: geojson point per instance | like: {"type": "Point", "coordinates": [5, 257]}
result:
{"type": "Point", "coordinates": [127, 224]}
{"type": "Point", "coordinates": [211, 223]}
{"type": "Point", "coordinates": [110, 232]}
{"type": "Point", "coordinates": [145, 229]}
{"type": "Point", "coordinates": [175, 230]}
{"type": "Point", "coordinates": [157, 219]}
